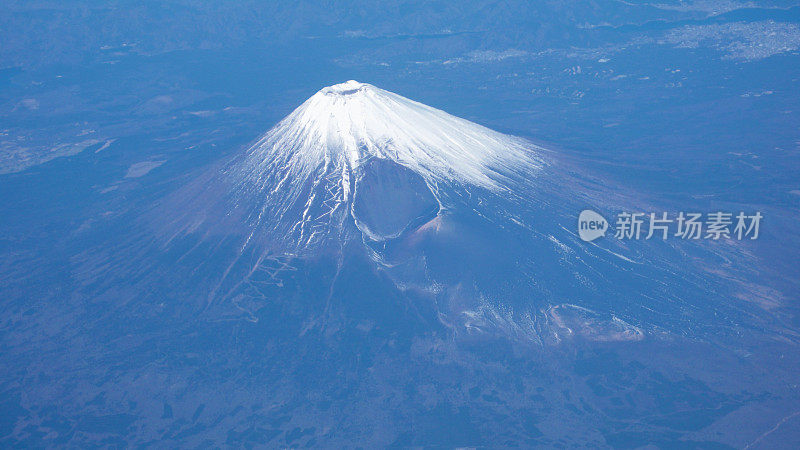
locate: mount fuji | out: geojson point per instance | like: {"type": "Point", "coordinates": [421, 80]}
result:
{"type": "Point", "coordinates": [373, 270]}
{"type": "Point", "coordinates": [469, 230]}
{"type": "Point", "coordinates": [209, 238]}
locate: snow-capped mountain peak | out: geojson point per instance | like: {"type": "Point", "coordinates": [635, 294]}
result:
{"type": "Point", "coordinates": [346, 124]}
{"type": "Point", "coordinates": [354, 153]}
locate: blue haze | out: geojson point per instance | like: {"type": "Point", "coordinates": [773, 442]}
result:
{"type": "Point", "coordinates": [111, 115]}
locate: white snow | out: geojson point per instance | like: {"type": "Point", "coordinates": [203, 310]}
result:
{"type": "Point", "coordinates": [301, 176]}
{"type": "Point", "coordinates": [342, 125]}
